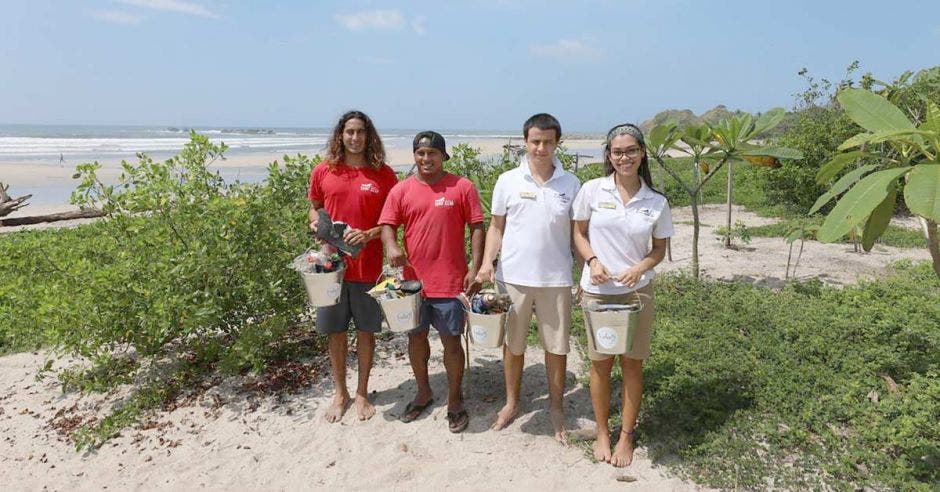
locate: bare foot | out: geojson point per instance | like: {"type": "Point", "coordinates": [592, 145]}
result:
{"type": "Point", "coordinates": [623, 453]}
{"type": "Point", "coordinates": [557, 416]}
{"type": "Point", "coordinates": [602, 447]}
{"type": "Point", "coordinates": [337, 408]}
{"type": "Point", "coordinates": [364, 407]}
{"type": "Point", "coordinates": [505, 416]}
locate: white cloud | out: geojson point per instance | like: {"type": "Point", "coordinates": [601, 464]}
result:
{"type": "Point", "coordinates": [116, 17]}
{"type": "Point", "coordinates": [417, 25]}
{"type": "Point", "coordinates": [177, 6]}
{"type": "Point", "coordinates": [567, 49]}
{"type": "Point", "coordinates": [371, 19]}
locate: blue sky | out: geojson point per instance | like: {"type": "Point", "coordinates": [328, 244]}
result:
{"type": "Point", "coordinates": [484, 64]}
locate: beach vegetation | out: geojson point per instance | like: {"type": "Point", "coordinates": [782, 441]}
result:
{"type": "Point", "coordinates": [710, 148]}
{"type": "Point", "coordinates": [811, 387]}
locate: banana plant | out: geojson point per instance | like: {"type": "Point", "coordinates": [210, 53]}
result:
{"type": "Point", "coordinates": [903, 161]}
{"type": "Point", "coordinates": [711, 147]}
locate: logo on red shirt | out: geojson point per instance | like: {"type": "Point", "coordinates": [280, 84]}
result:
{"type": "Point", "coordinates": [443, 202]}
{"type": "Point", "coordinates": [369, 187]}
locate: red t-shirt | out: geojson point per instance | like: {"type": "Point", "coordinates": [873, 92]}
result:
{"type": "Point", "coordinates": [355, 195]}
{"type": "Point", "coordinates": [435, 217]}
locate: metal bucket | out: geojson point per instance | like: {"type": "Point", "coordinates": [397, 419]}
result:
{"type": "Point", "coordinates": [487, 330]}
{"type": "Point", "coordinates": [402, 314]}
{"type": "Point", "coordinates": [323, 289]}
{"type": "Point", "coordinates": [613, 331]}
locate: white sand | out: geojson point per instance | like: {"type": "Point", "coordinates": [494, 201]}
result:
{"type": "Point", "coordinates": [285, 444]}
{"type": "Point", "coordinates": [219, 442]}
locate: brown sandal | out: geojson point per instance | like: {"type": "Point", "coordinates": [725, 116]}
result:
{"type": "Point", "coordinates": [458, 421]}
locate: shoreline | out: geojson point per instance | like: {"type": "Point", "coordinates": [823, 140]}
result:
{"type": "Point", "coordinates": [51, 183]}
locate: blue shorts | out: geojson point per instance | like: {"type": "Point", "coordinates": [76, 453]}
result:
{"type": "Point", "coordinates": [445, 315]}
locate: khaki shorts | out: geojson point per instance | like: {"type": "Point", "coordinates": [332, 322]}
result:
{"type": "Point", "coordinates": [552, 307]}
{"type": "Point", "coordinates": [644, 329]}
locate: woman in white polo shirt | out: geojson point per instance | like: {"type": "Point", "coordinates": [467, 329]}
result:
{"type": "Point", "coordinates": [621, 228]}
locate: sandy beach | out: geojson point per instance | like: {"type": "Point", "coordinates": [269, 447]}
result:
{"type": "Point", "coordinates": [231, 437]}
{"type": "Point", "coordinates": [51, 183]}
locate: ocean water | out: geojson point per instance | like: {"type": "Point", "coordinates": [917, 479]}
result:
{"type": "Point", "coordinates": [49, 143]}
{"type": "Point", "coordinates": [64, 146]}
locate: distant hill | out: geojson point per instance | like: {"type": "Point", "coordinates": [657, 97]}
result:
{"type": "Point", "coordinates": [685, 117]}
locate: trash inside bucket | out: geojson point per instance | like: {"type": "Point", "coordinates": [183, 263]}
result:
{"type": "Point", "coordinates": [487, 330]}
{"type": "Point", "coordinates": [401, 313]}
{"type": "Point", "coordinates": [613, 330]}
{"type": "Point", "coordinates": [323, 289]}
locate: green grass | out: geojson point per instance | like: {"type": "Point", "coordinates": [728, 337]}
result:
{"type": "Point", "coordinates": [898, 237]}
{"type": "Point", "coordinates": [748, 388]}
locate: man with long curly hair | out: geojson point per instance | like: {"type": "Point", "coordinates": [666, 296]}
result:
{"type": "Point", "coordinates": [352, 184]}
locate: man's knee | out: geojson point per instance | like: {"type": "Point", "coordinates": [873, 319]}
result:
{"type": "Point", "coordinates": [451, 343]}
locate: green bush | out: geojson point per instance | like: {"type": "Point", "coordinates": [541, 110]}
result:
{"type": "Point", "coordinates": [796, 389]}
{"type": "Point", "coordinates": [185, 268]}
{"type": "Point", "coordinates": [817, 131]}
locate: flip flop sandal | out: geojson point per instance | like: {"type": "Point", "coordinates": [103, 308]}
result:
{"type": "Point", "coordinates": [458, 421]}
{"type": "Point", "coordinates": [414, 410]}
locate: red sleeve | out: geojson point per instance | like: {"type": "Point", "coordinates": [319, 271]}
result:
{"type": "Point", "coordinates": [391, 211]}
{"type": "Point", "coordinates": [315, 192]}
{"type": "Point", "coordinates": [389, 180]}
{"type": "Point", "coordinates": [474, 211]}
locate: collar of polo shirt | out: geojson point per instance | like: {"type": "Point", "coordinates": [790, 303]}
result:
{"type": "Point", "coordinates": [608, 184]}
{"type": "Point", "coordinates": [524, 165]}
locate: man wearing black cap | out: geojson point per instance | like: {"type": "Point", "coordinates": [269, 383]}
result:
{"type": "Point", "coordinates": [436, 208]}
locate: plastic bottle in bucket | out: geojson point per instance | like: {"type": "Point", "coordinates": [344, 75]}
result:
{"type": "Point", "coordinates": [486, 316]}
{"type": "Point", "coordinates": [399, 299]}
{"type": "Point", "coordinates": [322, 274]}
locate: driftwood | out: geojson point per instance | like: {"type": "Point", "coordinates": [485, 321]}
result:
{"type": "Point", "coordinates": [88, 213]}
{"type": "Point", "coordinates": [9, 205]}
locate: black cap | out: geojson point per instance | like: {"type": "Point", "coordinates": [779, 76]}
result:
{"type": "Point", "coordinates": [430, 139]}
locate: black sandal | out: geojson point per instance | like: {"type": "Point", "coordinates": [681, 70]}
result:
{"type": "Point", "coordinates": [414, 410]}
{"type": "Point", "coordinates": [458, 421]}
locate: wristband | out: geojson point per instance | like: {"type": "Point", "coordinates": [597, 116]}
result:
{"type": "Point", "coordinates": [588, 262]}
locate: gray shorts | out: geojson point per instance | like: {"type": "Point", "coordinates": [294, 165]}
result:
{"type": "Point", "coordinates": [354, 304]}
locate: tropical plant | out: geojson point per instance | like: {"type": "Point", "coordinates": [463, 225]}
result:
{"type": "Point", "coordinates": [904, 162]}
{"type": "Point", "coordinates": [800, 231]}
{"type": "Point", "coordinates": [711, 147]}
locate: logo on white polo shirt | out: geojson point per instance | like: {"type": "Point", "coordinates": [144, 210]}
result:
{"type": "Point", "coordinates": [646, 211]}
{"type": "Point", "coordinates": [369, 187]}
{"type": "Point", "coordinates": [443, 202]}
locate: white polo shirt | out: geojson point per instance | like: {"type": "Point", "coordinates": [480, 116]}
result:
{"type": "Point", "coordinates": [536, 250]}
{"type": "Point", "coordinates": [620, 233]}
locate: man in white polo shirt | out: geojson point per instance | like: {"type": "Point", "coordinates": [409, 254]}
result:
{"type": "Point", "coordinates": [531, 231]}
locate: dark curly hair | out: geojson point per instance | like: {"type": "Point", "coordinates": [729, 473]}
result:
{"type": "Point", "coordinates": [375, 151]}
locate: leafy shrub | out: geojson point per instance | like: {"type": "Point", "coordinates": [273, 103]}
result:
{"type": "Point", "coordinates": [811, 387]}
{"type": "Point", "coordinates": [185, 268]}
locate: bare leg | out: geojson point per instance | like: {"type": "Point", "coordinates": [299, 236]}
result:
{"type": "Point", "coordinates": [555, 366]}
{"type": "Point", "coordinates": [365, 347]}
{"type": "Point", "coordinates": [512, 372]}
{"type": "Point", "coordinates": [600, 400]}
{"type": "Point", "coordinates": [453, 364]}
{"type": "Point", "coordinates": [632, 397]}
{"type": "Point", "coordinates": [419, 352]}
{"type": "Point", "coordinates": [337, 348]}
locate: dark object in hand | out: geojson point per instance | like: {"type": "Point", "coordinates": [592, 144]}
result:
{"type": "Point", "coordinates": [332, 233]}
{"type": "Point", "coordinates": [410, 286]}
